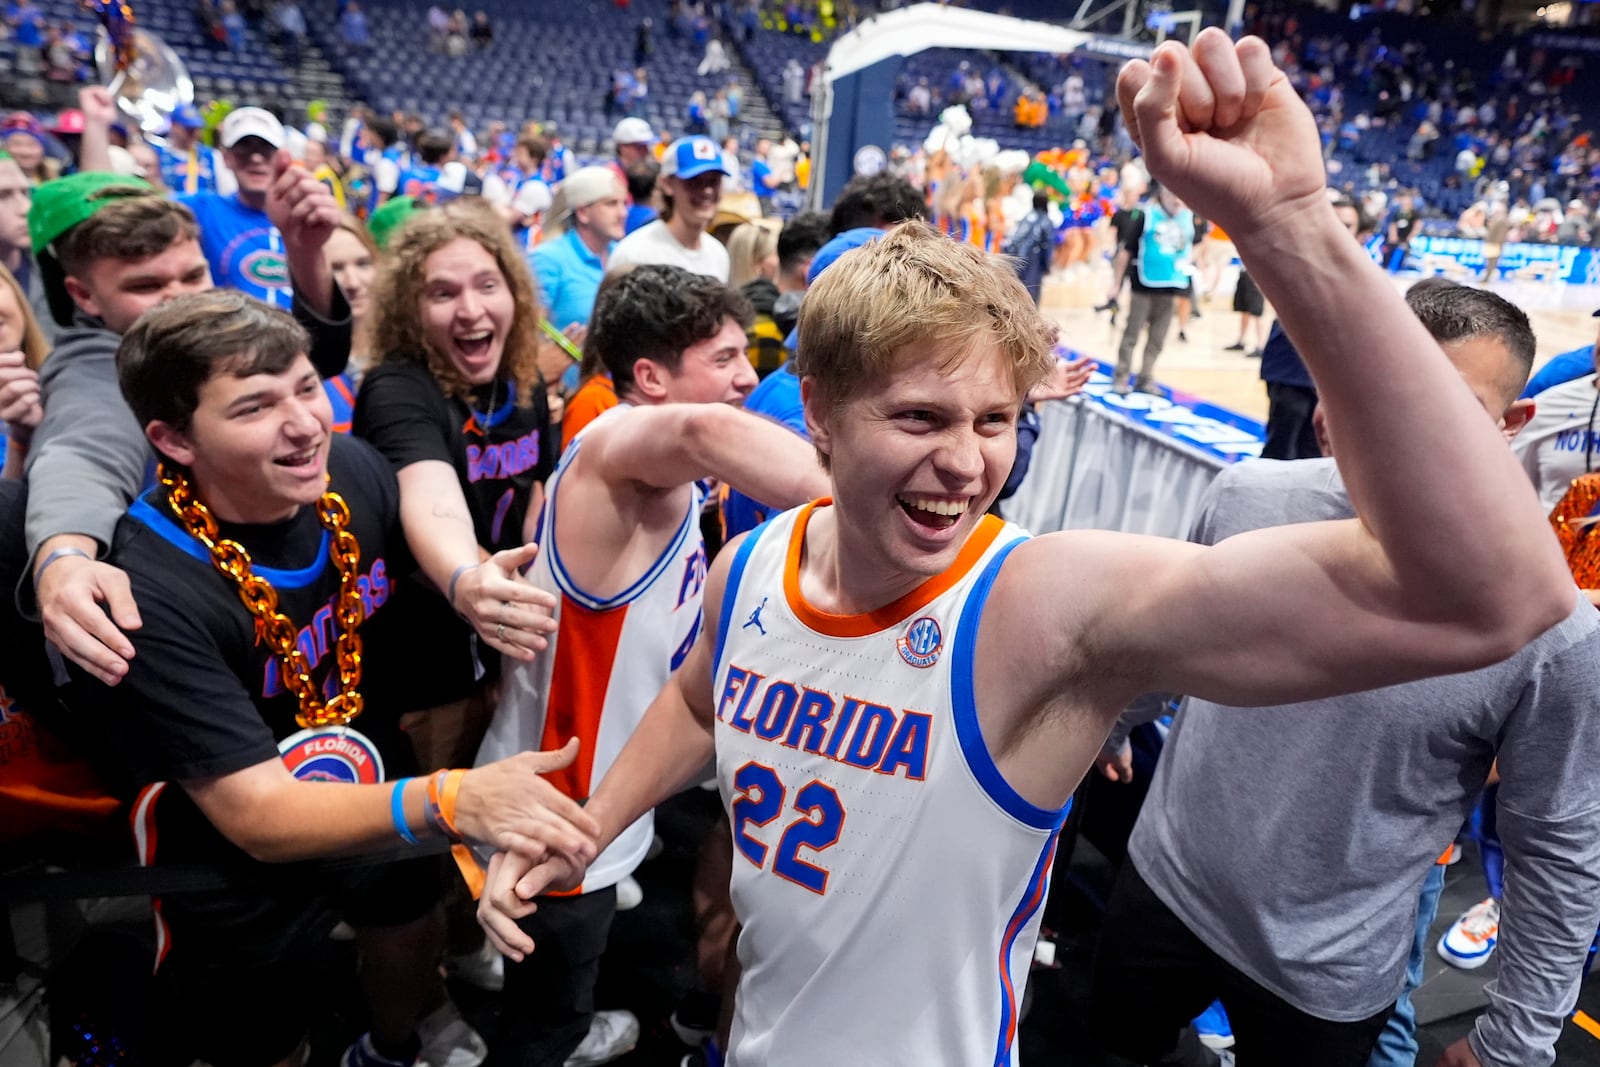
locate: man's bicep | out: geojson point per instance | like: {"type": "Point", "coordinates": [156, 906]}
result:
{"type": "Point", "coordinates": [234, 802]}
{"type": "Point", "coordinates": [1268, 617]}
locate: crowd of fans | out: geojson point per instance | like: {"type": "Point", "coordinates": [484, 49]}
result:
{"type": "Point", "coordinates": [378, 355]}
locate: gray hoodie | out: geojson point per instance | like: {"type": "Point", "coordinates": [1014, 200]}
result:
{"type": "Point", "coordinates": [89, 457]}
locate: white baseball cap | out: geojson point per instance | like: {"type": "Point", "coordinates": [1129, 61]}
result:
{"type": "Point", "coordinates": [532, 199]}
{"type": "Point", "coordinates": [633, 131]}
{"type": "Point", "coordinates": [252, 122]}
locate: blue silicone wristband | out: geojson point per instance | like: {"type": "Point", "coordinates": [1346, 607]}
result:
{"type": "Point", "coordinates": [397, 811]}
{"type": "Point", "coordinates": [450, 594]}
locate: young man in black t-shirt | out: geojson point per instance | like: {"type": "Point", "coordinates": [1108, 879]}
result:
{"type": "Point", "coordinates": [226, 395]}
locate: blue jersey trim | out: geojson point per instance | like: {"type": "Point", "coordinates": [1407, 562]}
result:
{"type": "Point", "coordinates": [654, 571]}
{"type": "Point", "coordinates": [730, 593]}
{"type": "Point", "coordinates": [1033, 897]}
{"type": "Point", "coordinates": [164, 527]}
{"type": "Point", "coordinates": [964, 703]}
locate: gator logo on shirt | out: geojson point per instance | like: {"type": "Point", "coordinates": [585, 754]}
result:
{"type": "Point", "coordinates": [920, 644]}
{"type": "Point", "coordinates": [265, 268]}
{"type": "Point", "coordinates": [334, 755]}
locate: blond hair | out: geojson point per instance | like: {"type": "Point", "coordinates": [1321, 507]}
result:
{"type": "Point", "coordinates": [748, 245]}
{"type": "Point", "coordinates": [35, 346]}
{"type": "Point", "coordinates": [911, 295]}
{"type": "Point", "coordinates": [398, 335]}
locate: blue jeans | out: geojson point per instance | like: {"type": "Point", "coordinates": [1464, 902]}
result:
{"type": "Point", "coordinates": [1397, 1044]}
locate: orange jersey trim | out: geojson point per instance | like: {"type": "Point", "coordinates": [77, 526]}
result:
{"type": "Point", "coordinates": [586, 654]}
{"type": "Point", "coordinates": [830, 625]}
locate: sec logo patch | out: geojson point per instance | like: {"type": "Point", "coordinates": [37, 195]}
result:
{"type": "Point", "coordinates": [334, 755]}
{"type": "Point", "coordinates": [920, 644]}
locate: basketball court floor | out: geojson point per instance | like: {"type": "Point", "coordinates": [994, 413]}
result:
{"type": "Point", "coordinates": [1560, 313]}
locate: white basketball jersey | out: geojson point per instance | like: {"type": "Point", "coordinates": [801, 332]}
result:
{"type": "Point", "coordinates": [889, 880]}
{"type": "Point", "coordinates": [608, 659]}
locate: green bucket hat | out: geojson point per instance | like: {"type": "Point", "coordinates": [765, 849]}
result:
{"type": "Point", "coordinates": [388, 219]}
{"type": "Point", "coordinates": [61, 204]}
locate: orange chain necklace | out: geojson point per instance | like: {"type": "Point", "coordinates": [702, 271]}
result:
{"type": "Point", "coordinates": [1580, 540]}
{"type": "Point", "coordinates": [273, 628]}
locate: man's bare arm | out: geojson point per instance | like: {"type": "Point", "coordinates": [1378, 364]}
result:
{"type": "Point", "coordinates": [669, 445]}
{"type": "Point", "coordinates": [1469, 547]}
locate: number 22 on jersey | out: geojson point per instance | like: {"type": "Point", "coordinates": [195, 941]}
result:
{"type": "Point", "coordinates": [760, 801]}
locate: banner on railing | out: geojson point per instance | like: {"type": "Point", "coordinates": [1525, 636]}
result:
{"type": "Point", "coordinates": [1195, 423]}
{"type": "Point", "coordinates": [1567, 263]}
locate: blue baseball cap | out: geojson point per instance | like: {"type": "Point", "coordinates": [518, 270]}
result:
{"type": "Point", "coordinates": [826, 256]}
{"type": "Point", "coordinates": [188, 116]}
{"type": "Point", "coordinates": [690, 157]}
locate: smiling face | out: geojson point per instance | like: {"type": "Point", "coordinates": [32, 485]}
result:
{"type": "Point", "coordinates": [118, 291]}
{"type": "Point", "coordinates": [352, 267]}
{"type": "Point", "coordinates": [695, 200]}
{"type": "Point", "coordinates": [917, 456]}
{"type": "Point", "coordinates": [467, 308]}
{"type": "Point", "coordinates": [713, 371]}
{"type": "Point", "coordinates": [251, 163]}
{"type": "Point", "coordinates": [26, 149]}
{"type": "Point", "coordinates": [257, 445]}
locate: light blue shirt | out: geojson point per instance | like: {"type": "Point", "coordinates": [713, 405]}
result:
{"type": "Point", "coordinates": [569, 276]}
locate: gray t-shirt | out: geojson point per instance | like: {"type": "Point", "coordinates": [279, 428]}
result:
{"type": "Point", "coordinates": [1294, 840]}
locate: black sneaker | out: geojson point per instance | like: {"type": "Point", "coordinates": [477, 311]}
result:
{"type": "Point", "coordinates": [1237, 346]}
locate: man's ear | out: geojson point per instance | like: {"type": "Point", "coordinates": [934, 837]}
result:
{"type": "Point", "coordinates": [650, 380]}
{"type": "Point", "coordinates": [1516, 417]}
{"type": "Point", "coordinates": [817, 412]}
{"type": "Point", "coordinates": [170, 442]}
{"type": "Point", "coordinates": [82, 296]}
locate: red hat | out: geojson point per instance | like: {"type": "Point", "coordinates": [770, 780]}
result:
{"type": "Point", "coordinates": [69, 121]}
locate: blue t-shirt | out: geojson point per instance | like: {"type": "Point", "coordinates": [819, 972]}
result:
{"type": "Point", "coordinates": [761, 182]}
{"type": "Point", "coordinates": [778, 398]}
{"type": "Point", "coordinates": [639, 215]}
{"type": "Point", "coordinates": [569, 276]}
{"type": "Point", "coordinates": [1562, 368]}
{"type": "Point", "coordinates": [243, 247]}
{"type": "Point", "coordinates": [420, 181]}
{"type": "Point", "coordinates": [175, 169]}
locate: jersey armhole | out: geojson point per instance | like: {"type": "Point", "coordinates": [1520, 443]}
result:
{"type": "Point", "coordinates": [964, 707]}
{"type": "Point", "coordinates": [730, 592]}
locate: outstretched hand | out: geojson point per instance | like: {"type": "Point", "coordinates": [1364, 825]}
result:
{"type": "Point", "coordinates": [510, 806]}
{"type": "Point", "coordinates": [512, 615]}
{"type": "Point", "coordinates": [1221, 127]}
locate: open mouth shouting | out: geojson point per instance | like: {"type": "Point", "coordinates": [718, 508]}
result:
{"type": "Point", "coordinates": [933, 513]}
{"type": "Point", "coordinates": [476, 353]}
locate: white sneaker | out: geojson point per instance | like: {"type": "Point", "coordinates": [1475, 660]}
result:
{"type": "Point", "coordinates": [612, 1034]}
{"type": "Point", "coordinates": [483, 969]}
{"type": "Point", "coordinates": [447, 1040]}
{"type": "Point", "coordinates": [1470, 941]}
{"type": "Point", "coordinates": [629, 894]}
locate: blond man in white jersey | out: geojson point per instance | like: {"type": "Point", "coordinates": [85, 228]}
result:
{"type": "Point", "coordinates": [896, 835]}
